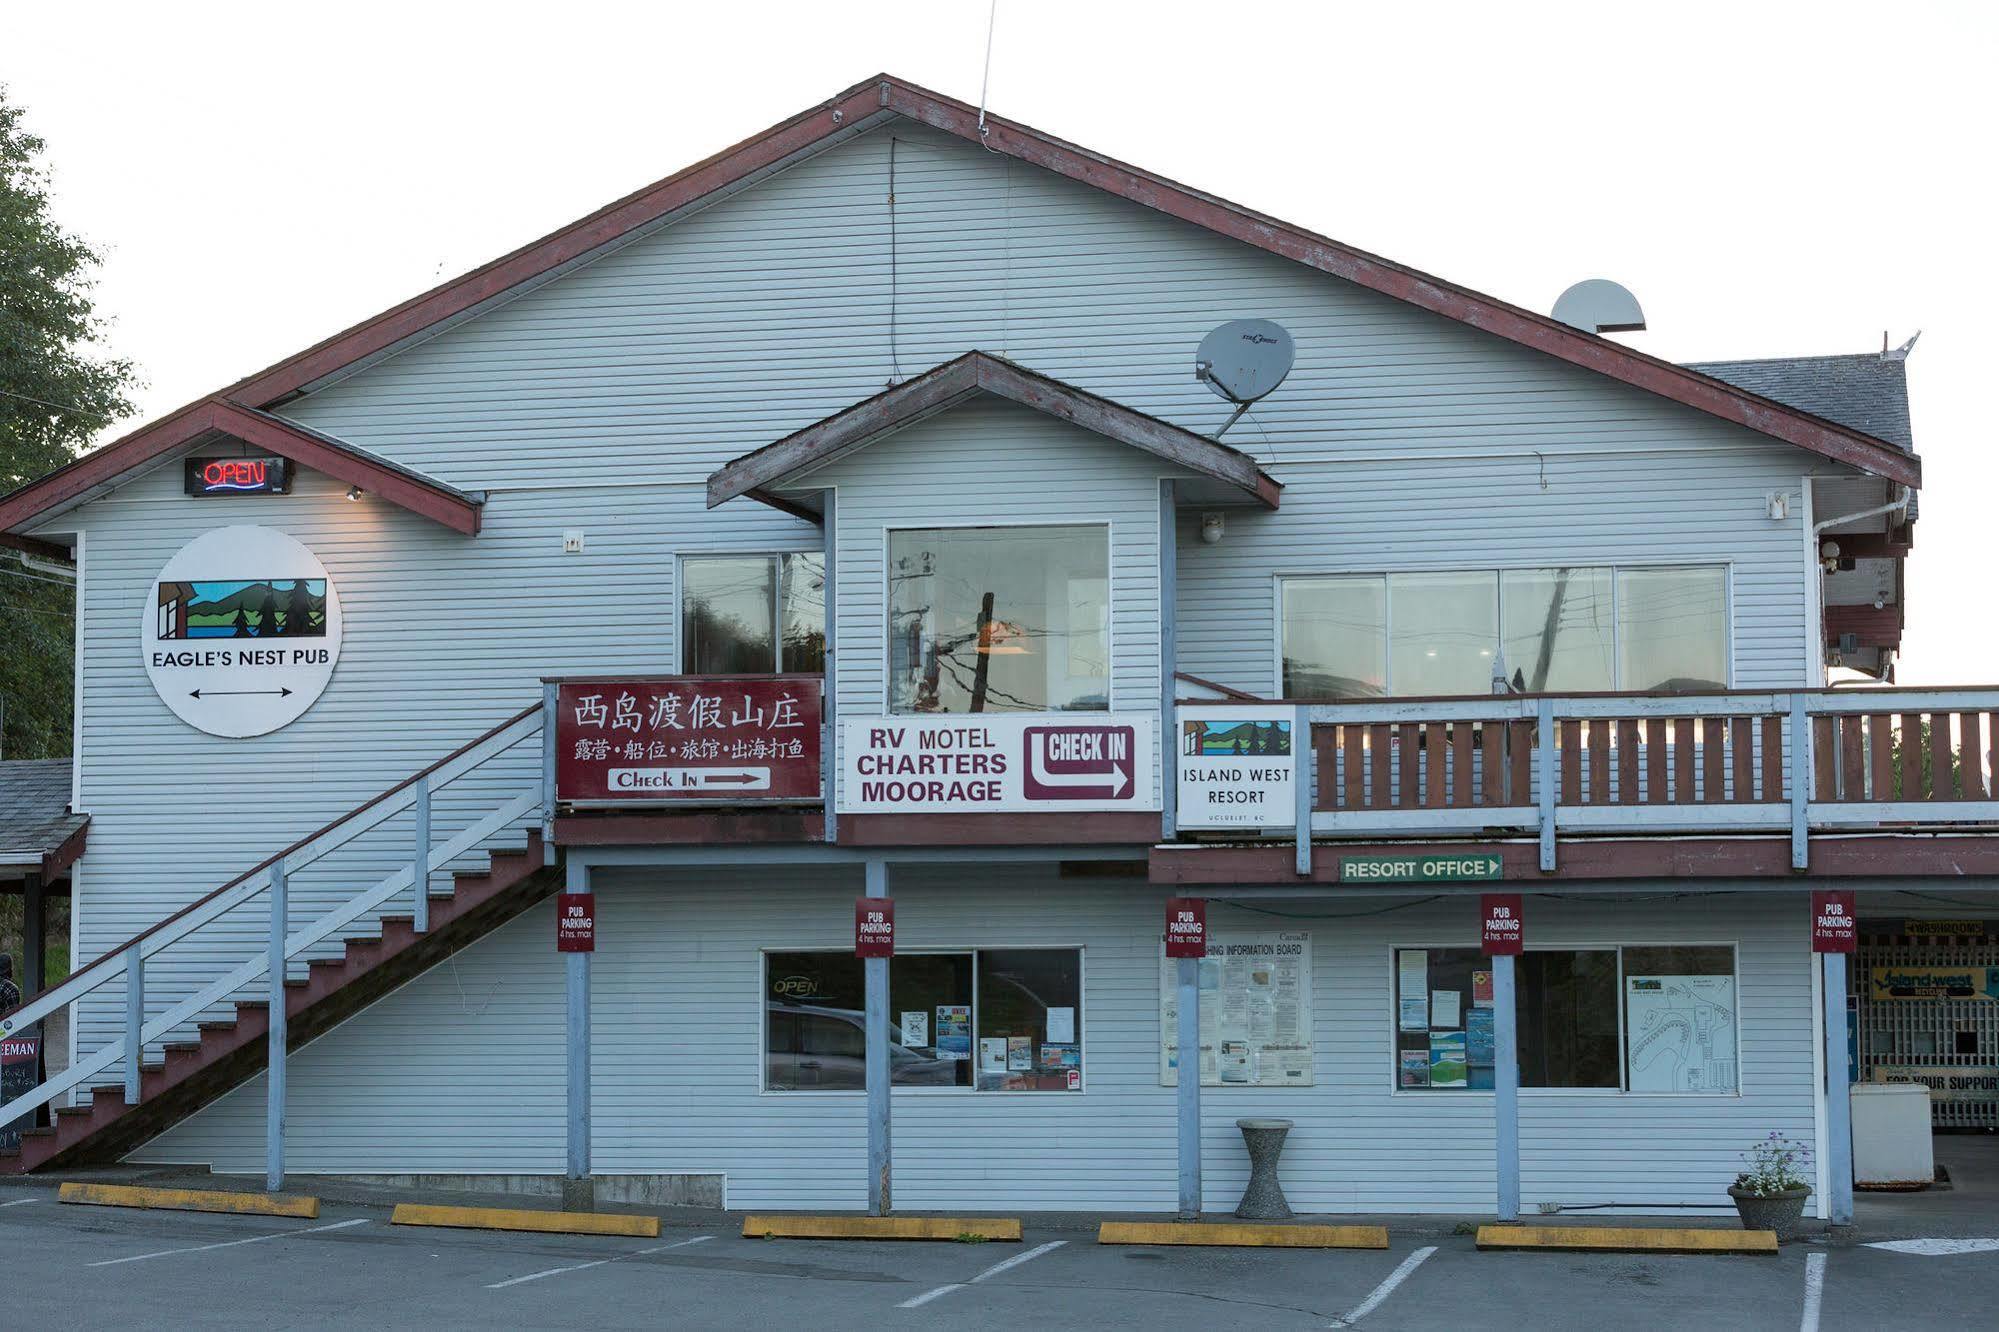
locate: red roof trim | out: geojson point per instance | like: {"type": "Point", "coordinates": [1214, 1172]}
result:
{"type": "Point", "coordinates": [850, 110]}
{"type": "Point", "coordinates": [438, 503]}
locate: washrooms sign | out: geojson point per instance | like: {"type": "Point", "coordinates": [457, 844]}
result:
{"type": "Point", "coordinates": [241, 631]}
{"type": "Point", "coordinates": [998, 763]}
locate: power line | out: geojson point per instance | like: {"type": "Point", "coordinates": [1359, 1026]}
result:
{"type": "Point", "coordinates": [59, 407]}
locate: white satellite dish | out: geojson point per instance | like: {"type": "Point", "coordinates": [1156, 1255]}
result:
{"type": "Point", "coordinates": [1242, 361]}
{"type": "Point", "coordinates": [1598, 305]}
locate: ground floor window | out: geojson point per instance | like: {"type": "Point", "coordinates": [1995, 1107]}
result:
{"type": "Point", "coordinates": [1632, 1018]}
{"type": "Point", "coordinates": [993, 1020]}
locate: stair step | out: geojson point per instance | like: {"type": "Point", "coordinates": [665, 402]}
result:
{"type": "Point", "coordinates": [223, 1025]}
{"type": "Point", "coordinates": [74, 1111]}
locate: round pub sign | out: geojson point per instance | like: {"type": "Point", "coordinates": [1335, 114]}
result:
{"type": "Point", "coordinates": [241, 631]}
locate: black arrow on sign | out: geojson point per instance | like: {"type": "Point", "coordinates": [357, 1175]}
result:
{"type": "Point", "coordinates": [739, 777]}
{"type": "Point", "coordinates": [218, 693]}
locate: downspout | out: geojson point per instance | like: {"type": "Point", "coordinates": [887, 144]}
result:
{"type": "Point", "coordinates": [1893, 506]}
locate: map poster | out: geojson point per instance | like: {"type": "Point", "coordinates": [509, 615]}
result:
{"type": "Point", "coordinates": [1680, 1033]}
{"type": "Point", "coordinates": [1256, 1010]}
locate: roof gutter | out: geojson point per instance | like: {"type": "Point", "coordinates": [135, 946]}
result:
{"type": "Point", "coordinates": [1898, 506]}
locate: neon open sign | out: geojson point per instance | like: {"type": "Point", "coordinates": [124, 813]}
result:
{"type": "Point", "coordinates": [239, 476]}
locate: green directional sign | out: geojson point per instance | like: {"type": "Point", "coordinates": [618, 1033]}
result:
{"type": "Point", "coordinates": [1452, 867]}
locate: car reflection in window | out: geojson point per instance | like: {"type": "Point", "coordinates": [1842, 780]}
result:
{"type": "Point", "coordinates": [825, 1049]}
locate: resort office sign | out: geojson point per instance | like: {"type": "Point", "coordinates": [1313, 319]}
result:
{"type": "Point", "coordinates": [241, 631]}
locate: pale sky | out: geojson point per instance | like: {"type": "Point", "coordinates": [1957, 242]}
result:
{"type": "Point", "coordinates": [1769, 179]}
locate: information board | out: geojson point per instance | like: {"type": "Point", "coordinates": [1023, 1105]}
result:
{"type": "Point", "coordinates": [1256, 1011]}
{"type": "Point", "coordinates": [688, 739]}
{"type": "Point", "coordinates": [1680, 1033]}
{"type": "Point", "coordinates": [19, 1075]}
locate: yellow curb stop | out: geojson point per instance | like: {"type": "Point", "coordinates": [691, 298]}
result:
{"type": "Point", "coordinates": [1231, 1233]}
{"type": "Point", "coordinates": [881, 1227]}
{"type": "Point", "coordinates": [520, 1218]}
{"type": "Point", "coordinates": [1627, 1239]}
{"type": "Point", "coordinates": [189, 1200]}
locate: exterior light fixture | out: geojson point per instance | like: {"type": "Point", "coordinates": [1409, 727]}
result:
{"type": "Point", "coordinates": [1211, 528]}
{"type": "Point", "coordinates": [353, 492]}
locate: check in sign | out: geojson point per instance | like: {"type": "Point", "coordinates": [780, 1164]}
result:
{"type": "Point", "coordinates": [1456, 867]}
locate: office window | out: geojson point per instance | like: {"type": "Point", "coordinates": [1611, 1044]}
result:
{"type": "Point", "coordinates": [1637, 1019]}
{"type": "Point", "coordinates": [998, 1020]}
{"type": "Point", "coordinates": [1555, 630]}
{"type": "Point", "coordinates": [999, 619]}
{"type": "Point", "coordinates": [753, 614]}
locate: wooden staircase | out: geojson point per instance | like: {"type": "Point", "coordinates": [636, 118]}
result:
{"type": "Point", "coordinates": [229, 1053]}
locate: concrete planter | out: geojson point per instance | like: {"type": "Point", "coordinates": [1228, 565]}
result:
{"type": "Point", "coordinates": [1782, 1212]}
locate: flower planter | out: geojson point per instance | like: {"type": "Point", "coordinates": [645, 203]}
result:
{"type": "Point", "coordinates": [1782, 1212]}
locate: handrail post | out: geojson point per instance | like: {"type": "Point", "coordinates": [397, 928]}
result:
{"type": "Point", "coordinates": [274, 1074]}
{"type": "Point", "coordinates": [135, 1021]}
{"type": "Point", "coordinates": [1304, 763]}
{"type": "Point", "coordinates": [548, 704]}
{"type": "Point", "coordinates": [1545, 751]}
{"type": "Point", "coordinates": [420, 867]}
{"type": "Point", "coordinates": [1801, 775]}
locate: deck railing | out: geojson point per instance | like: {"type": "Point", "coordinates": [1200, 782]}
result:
{"type": "Point", "coordinates": [1733, 762]}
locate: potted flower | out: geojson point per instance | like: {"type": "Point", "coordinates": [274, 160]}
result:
{"type": "Point", "coordinates": [1771, 1193]}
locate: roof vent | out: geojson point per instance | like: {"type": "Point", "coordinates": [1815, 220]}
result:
{"type": "Point", "coordinates": [1598, 305]}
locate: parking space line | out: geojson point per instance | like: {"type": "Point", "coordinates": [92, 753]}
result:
{"type": "Point", "coordinates": [229, 1244]}
{"type": "Point", "coordinates": [578, 1267]}
{"type": "Point", "coordinates": [993, 1271]}
{"type": "Point", "coordinates": [19, 1202]}
{"type": "Point", "coordinates": [1814, 1291]}
{"type": "Point", "coordinates": [1385, 1289]}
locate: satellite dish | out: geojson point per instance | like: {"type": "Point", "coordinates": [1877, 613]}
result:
{"type": "Point", "coordinates": [1598, 305]}
{"type": "Point", "coordinates": [1244, 359]}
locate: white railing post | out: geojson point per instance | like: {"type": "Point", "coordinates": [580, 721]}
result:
{"type": "Point", "coordinates": [274, 1103]}
{"type": "Point", "coordinates": [1304, 764]}
{"type": "Point", "coordinates": [135, 1021]}
{"type": "Point", "coordinates": [1545, 751]}
{"type": "Point", "coordinates": [548, 699]}
{"type": "Point", "coordinates": [420, 867]}
{"type": "Point", "coordinates": [1801, 779]}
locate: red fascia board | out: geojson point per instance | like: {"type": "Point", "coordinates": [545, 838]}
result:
{"type": "Point", "coordinates": [104, 466]}
{"type": "Point", "coordinates": [57, 862]}
{"type": "Point", "coordinates": [47, 550]}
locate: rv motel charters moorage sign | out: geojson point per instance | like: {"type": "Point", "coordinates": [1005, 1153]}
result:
{"type": "Point", "coordinates": [683, 740]}
{"type": "Point", "coordinates": [997, 762]}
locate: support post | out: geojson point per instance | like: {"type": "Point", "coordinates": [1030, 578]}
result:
{"type": "Point", "coordinates": [880, 1194]}
{"type": "Point", "coordinates": [1189, 1087]}
{"type": "Point", "coordinates": [420, 866]}
{"type": "Point", "coordinates": [1169, 659]}
{"type": "Point", "coordinates": [1303, 769]}
{"type": "Point", "coordinates": [1505, 1087]}
{"type": "Point", "coordinates": [1838, 1103]}
{"type": "Point", "coordinates": [548, 703]}
{"type": "Point", "coordinates": [274, 1069]}
{"type": "Point", "coordinates": [578, 1189]}
{"type": "Point", "coordinates": [135, 1021]}
{"type": "Point", "coordinates": [34, 941]}
{"type": "Point", "coordinates": [1544, 715]}
{"type": "Point", "coordinates": [829, 705]}
{"type": "Point", "coordinates": [1801, 782]}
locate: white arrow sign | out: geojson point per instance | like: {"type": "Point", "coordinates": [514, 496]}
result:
{"type": "Point", "coordinates": [1114, 779]}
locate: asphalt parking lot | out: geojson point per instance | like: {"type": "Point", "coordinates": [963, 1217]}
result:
{"type": "Point", "coordinates": [89, 1267]}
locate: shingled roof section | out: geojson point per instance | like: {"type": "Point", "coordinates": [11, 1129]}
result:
{"type": "Point", "coordinates": [35, 822]}
{"type": "Point", "coordinates": [1868, 392]}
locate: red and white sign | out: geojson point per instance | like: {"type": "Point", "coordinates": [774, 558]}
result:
{"type": "Point", "coordinates": [997, 762]}
{"type": "Point", "coordinates": [704, 739]}
{"type": "Point", "coordinates": [1186, 927]}
{"type": "Point", "coordinates": [576, 923]}
{"type": "Point", "coordinates": [1834, 929]}
{"type": "Point", "coordinates": [874, 927]}
{"type": "Point", "coordinates": [1504, 932]}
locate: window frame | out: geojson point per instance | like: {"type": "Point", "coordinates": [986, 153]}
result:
{"type": "Point", "coordinates": [1280, 580]}
{"type": "Point", "coordinates": [762, 1071]}
{"type": "Point", "coordinates": [1110, 529]}
{"type": "Point", "coordinates": [680, 559]}
{"type": "Point", "coordinates": [1592, 944]}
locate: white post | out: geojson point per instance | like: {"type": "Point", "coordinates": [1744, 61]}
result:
{"type": "Point", "coordinates": [1838, 1103]}
{"type": "Point", "coordinates": [420, 867]}
{"type": "Point", "coordinates": [1189, 1087]}
{"type": "Point", "coordinates": [577, 1192]}
{"type": "Point", "coordinates": [1505, 1087]}
{"type": "Point", "coordinates": [875, 969]}
{"type": "Point", "coordinates": [274, 1103]}
{"type": "Point", "coordinates": [135, 1020]}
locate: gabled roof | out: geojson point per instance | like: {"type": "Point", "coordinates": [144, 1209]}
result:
{"type": "Point", "coordinates": [37, 831]}
{"type": "Point", "coordinates": [78, 481]}
{"type": "Point", "coordinates": [883, 97]}
{"type": "Point", "coordinates": [946, 386]}
{"type": "Point", "coordinates": [1868, 391]}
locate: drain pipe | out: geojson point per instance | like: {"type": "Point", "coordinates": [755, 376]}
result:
{"type": "Point", "coordinates": [1893, 506]}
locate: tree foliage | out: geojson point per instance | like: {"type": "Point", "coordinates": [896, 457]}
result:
{"type": "Point", "coordinates": [58, 388]}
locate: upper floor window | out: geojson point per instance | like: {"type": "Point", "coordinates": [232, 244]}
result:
{"type": "Point", "coordinates": [751, 614]}
{"type": "Point", "coordinates": [1560, 630]}
{"type": "Point", "coordinates": [999, 619]}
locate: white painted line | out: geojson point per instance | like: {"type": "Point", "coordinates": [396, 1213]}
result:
{"type": "Point", "coordinates": [1929, 1247]}
{"type": "Point", "coordinates": [20, 1202]}
{"type": "Point", "coordinates": [1386, 1288]}
{"type": "Point", "coordinates": [579, 1267]}
{"type": "Point", "coordinates": [1814, 1292]}
{"type": "Point", "coordinates": [229, 1244]}
{"type": "Point", "coordinates": [993, 1271]}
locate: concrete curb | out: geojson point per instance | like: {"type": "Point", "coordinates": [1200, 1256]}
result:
{"type": "Point", "coordinates": [1283, 1236]}
{"type": "Point", "coordinates": [1627, 1239]}
{"type": "Point", "coordinates": [881, 1227]}
{"type": "Point", "coordinates": [516, 1218]}
{"type": "Point", "coordinates": [190, 1200]}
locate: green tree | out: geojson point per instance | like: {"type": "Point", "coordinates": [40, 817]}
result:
{"type": "Point", "coordinates": [57, 390]}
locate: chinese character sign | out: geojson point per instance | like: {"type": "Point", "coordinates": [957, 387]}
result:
{"type": "Point", "coordinates": [715, 739]}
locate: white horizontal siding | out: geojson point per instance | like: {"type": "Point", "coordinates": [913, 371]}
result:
{"type": "Point", "coordinates": [462, 1070]}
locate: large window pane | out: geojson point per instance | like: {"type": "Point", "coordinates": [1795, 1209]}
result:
{"type": "Point", "coordinates": [1443, 1019]}
{"type": "Point", "coordinates": [930, 1020]}
{"type": "Point", "coordinates": [1680, 1019]}
{"type": "Point", "coordinates": [1443, 629]}
{"type": "Point", "coordinates": [1335, 638]}
{"type": "Point", "coordinates": [1558, 629]}
{"type": "Point", "coordinates": [815, 1013]}
{"type": "Point", "coordinates": [804, 601]}
{"type": "Point", "coordinates": [1567, 1006]}
{"type": "Point", "coordinates": [1030, 1020]}
{"type": "Point", "coordinates": [999, 619]}
{"type": "Point", "coordinates": [1672, 627]}
{"type": "Point", "coordinates": [725, 622]}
